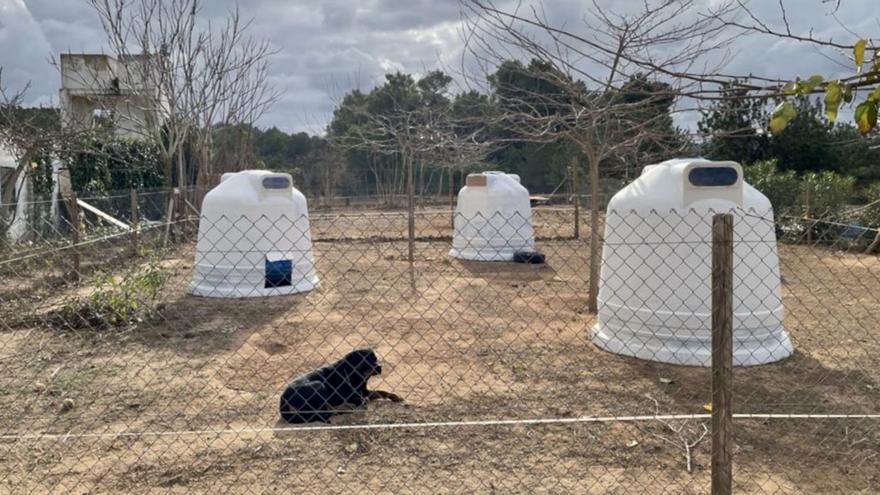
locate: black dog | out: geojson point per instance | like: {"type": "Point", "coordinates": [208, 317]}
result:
{"type": "Point", "coordinates": [327, 391]}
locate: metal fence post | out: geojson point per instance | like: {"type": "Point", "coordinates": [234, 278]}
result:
{"type": "Point", "coordinates": [722, 352]}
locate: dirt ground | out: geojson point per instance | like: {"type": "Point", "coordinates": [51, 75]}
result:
{"type": "Point", "coordinates": [186, 402]}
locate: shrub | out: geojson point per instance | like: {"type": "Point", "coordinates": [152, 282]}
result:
{"type": "Point", "coordinates": [870, 215]}
{"type": "Point", "coordinates": [828, 193]}
{"type": "Point", "coordinates": [110, 164]}
{"type": "Point", "coordinates": [782, 188]}
{"type": "Point", "coordinates": [117, 300]}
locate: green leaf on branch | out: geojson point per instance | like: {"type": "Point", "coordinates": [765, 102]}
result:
{"type": "Point", "coordinates": [866, 116]}
{"type": "Point", "coordinates": [833, 98]}
{"type": "Point", "coordinates": [812, 82]}
{"type": "Point", "coordinates": [782, 115]}
{"type": "Point", "coordinates": [874, 96]}
{"type": "Point", "coordinates": [847, 94]}
{"type": "Point", "coordinates": [859, 52]}
{"type": "Point", "coordinates": [803, 87]}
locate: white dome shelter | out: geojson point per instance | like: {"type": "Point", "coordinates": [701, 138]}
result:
{"type": "Point", "coordinates": [655, 283]}
{"type": "Point", "coordinates": [493, 218]}
{"type": "Point", "coordinates": [254, 238]}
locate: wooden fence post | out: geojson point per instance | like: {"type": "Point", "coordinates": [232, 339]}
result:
{"type": "Point", "coordinates": [135, 220]}
{"type": "Point", "coordinates": [75, 233]}
{"type": "Point", "coordinates": [722, 353]}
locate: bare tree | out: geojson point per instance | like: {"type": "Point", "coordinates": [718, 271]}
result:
{"type": "Point", "coordinates": [322, 169]}
{"type": "Point", "coordinates": [18, 144]}
{"type": "Point", "coordinates": [581, 94]}
{"type": "Point", "coordinates": [35, 136]}
{"type": "Point", "coordinates": [186, 74]}
{"type": "Point", "coordinates": [235, 90]}
{"type": "Point", "coordinates": [412, 132]}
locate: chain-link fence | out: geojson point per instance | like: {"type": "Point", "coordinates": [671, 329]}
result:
{"type": "Point", "coordinates": [160, 358]}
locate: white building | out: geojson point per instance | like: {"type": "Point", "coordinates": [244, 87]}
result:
{"type": "Point", "coordinates": [98, 89]}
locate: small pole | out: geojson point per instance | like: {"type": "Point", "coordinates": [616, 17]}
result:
{"type": "Point", "coordinates": [75, 232]}
{"type": "Point", "coordinates": [134, 222]}
{"type": "Point", "coordinates": [575, 191]}
{"type": "Point", "coordinates": [722, 353]}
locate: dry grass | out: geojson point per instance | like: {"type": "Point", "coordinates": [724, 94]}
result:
{"type": "Point", "coordinates": [478, 341]}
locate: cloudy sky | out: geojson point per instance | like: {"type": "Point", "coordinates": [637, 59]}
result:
{"type": "Point", "coordinates": [326, 47]}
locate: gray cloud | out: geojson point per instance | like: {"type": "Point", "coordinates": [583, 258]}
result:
{"type": "Point", "coordinates": [24, 51]}
{"type": "Point", "coordinates": [327, 48]}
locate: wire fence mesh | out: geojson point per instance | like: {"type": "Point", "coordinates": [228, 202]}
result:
{"type": "Point", "coordinates": [165, 361]}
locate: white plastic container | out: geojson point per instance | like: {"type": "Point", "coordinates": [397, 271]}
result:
{"type": "Point", "coordinates": [254, 238]}
{"type": "Point", "coordinates": [493, 218]}
{"type": "Point", "coordinates": [655, 282]}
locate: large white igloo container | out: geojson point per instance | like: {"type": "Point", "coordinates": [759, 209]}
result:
{"type": "Point", "coordinates": [493, 218]}
{"type": "Point", "coordinates": [254, 238]}
{"type": "Point", "coordinates": [655, 282]}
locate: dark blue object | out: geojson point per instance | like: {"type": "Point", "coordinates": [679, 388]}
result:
{"type": "Point", "coordinates": [531, 257]}
{"type": "Point", "coordinates": [276, 183]}
{"type": "Point", "coordinates": [713, 176]}
{"type": "Point", "coordinates": [279, 273]}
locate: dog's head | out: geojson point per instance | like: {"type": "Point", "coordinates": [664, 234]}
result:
{"type": "Point", "coordinates": [364, 362]}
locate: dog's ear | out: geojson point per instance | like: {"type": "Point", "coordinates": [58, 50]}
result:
{"type": "Point", "coordinates": [364, 361]}
{"type": "Point", "coordinates": [353, 360]}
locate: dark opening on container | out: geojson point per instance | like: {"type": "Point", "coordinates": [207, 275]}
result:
{"type": "Point", "coordinates": [279, 273]}
{"type": "Point", "coordinates": [276, 183]}
{"type": "Point", "coordinates": [713, 176]}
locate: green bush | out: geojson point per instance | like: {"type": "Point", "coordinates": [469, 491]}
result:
{"type": "Point", "coordinates": [116, 300]}
{"type": "Point", "coordinates": [113, 164]}
{"type": "Point", "coordinates": [870, 215]}
{"type": "Point", "coordinates": [828, 193]}
{"type": "Point", "coordinates": [782, 188]}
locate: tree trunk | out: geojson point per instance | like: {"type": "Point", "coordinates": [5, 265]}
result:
{"type": "Point", "coordinates": [205, 172]}
{"type": "Point", "coordinates": [411, 220]}
{"type": "Point", "coordinates": [575, 192]}
{"type": "Point", "coordinates": [181, 182]}
{"type": "Point", "coordinates": [595, 247]}
{"type": "Point", "coordinates": [452, 197]}
{"type": "Point", "coordinates": [422, 183]}
{"type": "Point", "coordinates": [440, 186]}
{"type": "Point", "coordinates": [168, 169]}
